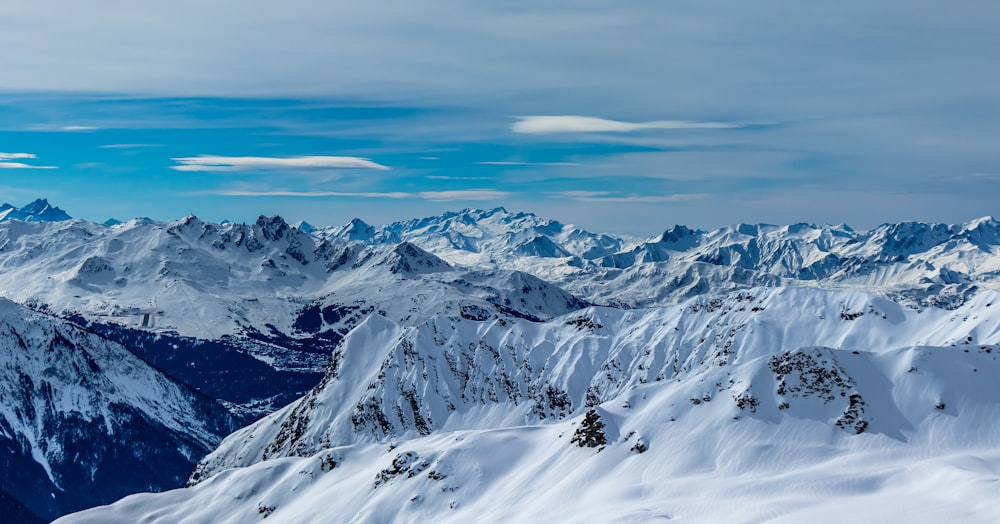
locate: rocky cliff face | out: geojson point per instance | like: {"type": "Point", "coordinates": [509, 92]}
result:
{"type": "Point", "coordinates": [84, 421]}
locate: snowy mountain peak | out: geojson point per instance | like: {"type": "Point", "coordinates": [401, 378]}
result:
{"type": "Point", "coordinates": [304, 226]}
{"type": "Point", "coordinates": [273, 228]}
{"type": "Point", "coordinates": [409, 259]}
{"type": "Point", "coordinates": [680, 237]}
{"type": "Point", "coordinates": [38, 211]}
{"type": "Point", "coordinates": [983, 232]}
{"type": "Point", "coordinates": [986, 221]}
{"type": "Point", "coordinates": [358, 230]}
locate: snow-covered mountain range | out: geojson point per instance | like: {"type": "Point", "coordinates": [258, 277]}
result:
{"type": "Point", "coordinates": [266, 291]}
{"type": "Point", "coordinates": [480, 332]}
{"type": "Point", "coordinates": [912, 262]}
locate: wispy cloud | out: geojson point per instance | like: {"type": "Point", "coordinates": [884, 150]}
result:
{"type": "Point", "coordinates": [608, 197]}
{"type": "Point", "coordinates": [62, 128]}
{"type": "Point", "coordinates": [257, 163]}
{"type": "Point", "coordinates": [451, 177]}
{"type": "Point", "coordinates": [19, 165]}
{"type": "Point", "coordinates": [465, 194]}
{"type": "Point", "coordinates": [5, 163]}
{"type": "Point", "coordinates": [499, 163]}
{"type": "Point", "coordinates": [129, 146]}
{"type": "Point", "coordinates": [313, 194]}
{"type": "Point", "coordinates": [589, 124]}
{"type": "Point", "coordinates": [12, 156]}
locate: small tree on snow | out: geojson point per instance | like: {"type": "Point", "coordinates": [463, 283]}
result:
{"type": "Point", "coordinates": [590, 434]}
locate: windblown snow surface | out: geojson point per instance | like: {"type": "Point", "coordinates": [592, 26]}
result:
{"type": "Point", "coordinates": [766, 404]}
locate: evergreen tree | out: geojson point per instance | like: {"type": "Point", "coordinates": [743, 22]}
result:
{"type": "Point", "coordinates": [590, 434]}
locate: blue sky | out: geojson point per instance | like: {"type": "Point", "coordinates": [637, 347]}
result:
{"type": "Point", "coordinates": [620, 117]}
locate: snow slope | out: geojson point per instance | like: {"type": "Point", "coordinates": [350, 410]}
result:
{"type": "Point", "coordinates": [84, 421]}
{"type": "Point", "coordinates": [785, 404]}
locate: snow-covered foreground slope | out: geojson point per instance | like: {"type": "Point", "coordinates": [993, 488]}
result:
{"type": "Point", "coordinates": [919, 263]}
{"type": "Point", "coordinates": [786, 404]}
{"type": "Point", "coordinates": [740, 471]}
{"type": "Point", "coordinates": [82, 420]}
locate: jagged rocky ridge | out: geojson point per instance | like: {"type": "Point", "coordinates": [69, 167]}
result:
{"type": "Point", "coordinates": [84, 422]}
{"type": "Point", "coordinates": [38, 211]}
{"type": "Point", "coordinates": [915, 263]}
{"type": "Point", "coordinates": [794, 348]}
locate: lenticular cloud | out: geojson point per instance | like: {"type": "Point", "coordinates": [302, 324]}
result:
{"type": "Point", "coordinates": [242, 163]}
{"type": "Point", "coordinates": [588, 124]}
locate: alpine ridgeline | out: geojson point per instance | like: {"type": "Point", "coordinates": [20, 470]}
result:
{"type": "Point", "coordinates": [914, 263]}
{"type": "Point", "coordinates": [510, 365]}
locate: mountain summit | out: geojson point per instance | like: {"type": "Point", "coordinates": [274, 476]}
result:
{"type": "Point", "coordinates": [38, 211]}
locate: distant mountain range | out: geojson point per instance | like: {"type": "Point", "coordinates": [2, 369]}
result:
{"type": "Point", "coordinates": [331, 343]}
{"type": "Point", "coordinates": [913, 262]}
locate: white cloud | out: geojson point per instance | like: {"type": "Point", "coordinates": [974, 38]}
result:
{"type": "Point", "coordinates": [61, 128]}
{"type": "Point", "coordinates": [589, 124]}
{"type": "Point", "coordinates": [314, 194]}
{"type": "Point", "coordinates": [129, 146]}
{"type": "Point", "coordinates": [465, 194]}
{"type": "Point", "coordinates": [608, 197]}
{"type": "Point", "coordinates": [497, 163]}
{"type": "Point", "coordinates": [11, 156]}
{"type": "Point", "coordinates": [246, 163]}
{"type": "Point", "coordinates": [582, 194]}
{"type": "Point", "coordinates": [5, 164]}
{"type": "Point", "coordinates": [18, 165]}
